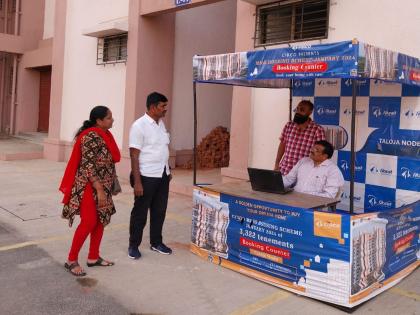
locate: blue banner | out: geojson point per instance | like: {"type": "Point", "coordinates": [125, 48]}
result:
{"type": "Point", "coordinates": [335, 257]}
{"type": "Point", "coordinates": [408, 69]}
{"type": "Point", "coordinates": [282, 241]}
{"type": "Point", "coordinates": [309, 61]}
{"type": "Point", "coordinates": [393, 141]}
{"type": "Point", "coordinates": [402, 238]}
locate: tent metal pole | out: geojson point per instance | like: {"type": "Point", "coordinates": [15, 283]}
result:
{"type": "Point", "coordinates": [195, 134]}
{"type": "Point", "coordinates": [352, 144]}
{"type": "Point", "coordinates": [290, 98]}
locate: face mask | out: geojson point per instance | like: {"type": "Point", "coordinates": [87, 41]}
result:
{"type": "Point", "coordinates": [300, 119]}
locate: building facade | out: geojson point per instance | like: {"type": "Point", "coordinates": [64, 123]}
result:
{"type": "Point", "coordinates": [115, 53]}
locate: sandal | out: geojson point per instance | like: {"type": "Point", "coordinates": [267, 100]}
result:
{"type": "Point", "coordinates": [70, 268]}
{"type": "Point", "coordinates": [100, 262]}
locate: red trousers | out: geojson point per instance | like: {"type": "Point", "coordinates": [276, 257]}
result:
{"type": "Point", "coordinates": [89, 224]}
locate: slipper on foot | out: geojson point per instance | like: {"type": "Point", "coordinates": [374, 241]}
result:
{"type": "Point", "coordinates": [70, 268]}
{"type": "Point", "coordinates": [100, 262]}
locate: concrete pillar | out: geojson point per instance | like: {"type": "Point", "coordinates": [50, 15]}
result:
{"type": "Point", "coordinates": [54, 148]}
{"type": "Point", "coordinates": [150, 60]}
{"type": "Point", "coordinates": [240, 134]}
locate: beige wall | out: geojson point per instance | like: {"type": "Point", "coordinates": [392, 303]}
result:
{"type": "Point", "coordinates": [374, 22]}
{"type": "Point", "coordinates": [27, 96]}
{"type": "Point", "coordinates": [197, 33]}
{"type": "Point", "coordinates": [86, 84]}
{"type": "Point", "coordinates": [154, 7]}
{"type": "Point", "coordinates": [49, 19]}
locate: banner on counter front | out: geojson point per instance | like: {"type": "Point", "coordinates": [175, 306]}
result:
{"type": "Point", "coordinates": [337, 258]}
{"type": "Point", "coordinates": [385, 247]}
{"type": "Point", "coordinates": [300, 249]}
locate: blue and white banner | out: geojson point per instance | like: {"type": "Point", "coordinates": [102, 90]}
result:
{"type": "Point", "coordinates": [387, 140]}
{"type": "Point", "coordinates": [385, 247]}
{"type": "Point", "coordinates": [308, 61]}
{"type": "Point", "coordinates": [334, 257]}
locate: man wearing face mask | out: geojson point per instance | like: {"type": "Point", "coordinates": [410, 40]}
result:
{"type": "Point", "coordinates": [297, 138]}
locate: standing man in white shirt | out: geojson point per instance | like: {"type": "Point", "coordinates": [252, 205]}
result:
{"type": "Point", "coordinates": [316, 174]}
{"type": "Point", "coordinates": [150, 175]}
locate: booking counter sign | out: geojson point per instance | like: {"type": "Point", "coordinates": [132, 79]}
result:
{"type": "Point", "coordinates": [300, 67]}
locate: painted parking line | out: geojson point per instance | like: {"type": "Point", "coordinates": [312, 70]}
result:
{"type": "Point", "coordinates": [409, 294]}
{"type": "Point", "coordinates": [262, 303]}
{"type": "Point", "coordinates": [114, 227]}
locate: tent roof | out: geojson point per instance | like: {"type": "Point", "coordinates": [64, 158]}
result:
{"type": "Point", "coordinates": [275, 68]}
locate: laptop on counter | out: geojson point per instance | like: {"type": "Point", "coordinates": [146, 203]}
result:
{"type": "Point", "coordinates": [267, 181]}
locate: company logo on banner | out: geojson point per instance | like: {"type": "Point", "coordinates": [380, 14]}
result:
{"type": "Point", "coordinates": [381, 170]}
{"type": "Point", "coordinates": [303, 88]}
{"type": "Point", "coordinates": [346, 195]}
{"type": "Point", "coordinates": [328, 225]}
{"type": "Point", "coordinates": [343, 163]}
{"type": "Point", "coordinates": [384, 111]}
{"type": "Point", "coordinates": [328, 82]}
{"type": "Point", "coordinates": [410, 113]}
{"type": "Point", "coordinates": [327, 110]}
{"type": "Point", "coordinates": [358, 197]}
{"type": "Point", "coordinates": [327, 87]}
{"type": "Point", "coordinates": [408, 174]}
{"type": "Point", "coordinates": [375, 201]}
{"type": "Point", "coordinates": [363, 87]}
{"type": "Point", "coordinates": [379, 198]}
{"type": "Point", "coordinates": [360, 112]}
{"type": "Point", "coordinates": [378, 112]}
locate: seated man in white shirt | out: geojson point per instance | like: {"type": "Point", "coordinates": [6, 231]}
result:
{"type": "Point", "coordinates": [316, 174]}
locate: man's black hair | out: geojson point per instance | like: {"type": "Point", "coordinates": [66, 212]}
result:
{"type": "Point", "coordinates": [153, 99]}
{"type": "Point", "coordinates": [328, 147]}
{"type": "Point", "coordinates": [307, 103]}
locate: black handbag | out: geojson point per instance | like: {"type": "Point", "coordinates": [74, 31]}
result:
{"type": "Point", "coordinates": [116, 187]}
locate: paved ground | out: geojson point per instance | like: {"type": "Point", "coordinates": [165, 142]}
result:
{"type": "Point", "coordinates": [34, 241]}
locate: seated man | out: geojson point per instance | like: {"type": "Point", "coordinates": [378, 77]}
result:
{"type": "Point", "coordinates": [316, 174]}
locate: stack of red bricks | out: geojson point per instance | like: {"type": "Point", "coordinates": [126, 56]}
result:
{"type": "Point", "coordinates": [213, 150]}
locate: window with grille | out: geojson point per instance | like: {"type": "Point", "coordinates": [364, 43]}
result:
{"type": "Point", "coordinates": [291, 21]}
{"type": "Point", "coordinates": [112, 49]}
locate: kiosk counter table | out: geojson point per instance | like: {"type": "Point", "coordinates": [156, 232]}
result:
{"type": "Point", "coordinates": [292, 198]}
{"type": "Point", "coordinates": [285, 241]}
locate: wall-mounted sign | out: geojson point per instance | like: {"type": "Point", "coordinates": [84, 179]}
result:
{"type": "Point", "coordinates": [182, 2]}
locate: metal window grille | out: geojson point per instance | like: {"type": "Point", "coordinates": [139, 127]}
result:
{"type": "Point", "coordinates": [291, 21]}
{"type": "Point", "coordinates": [112, 49]}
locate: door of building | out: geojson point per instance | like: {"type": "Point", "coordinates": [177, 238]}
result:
{"type": "Point", "coordinates": [44, 99]}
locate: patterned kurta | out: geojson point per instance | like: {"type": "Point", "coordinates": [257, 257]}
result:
{"type": "Point", "coordinates": [96, 164]}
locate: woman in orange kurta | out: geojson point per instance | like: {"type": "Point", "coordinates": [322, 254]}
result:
{"type": "Point", "coordinates": [88, 185]}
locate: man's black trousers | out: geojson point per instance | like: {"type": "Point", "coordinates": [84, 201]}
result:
{"type": "Point", "coordinates": [155, 198]}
